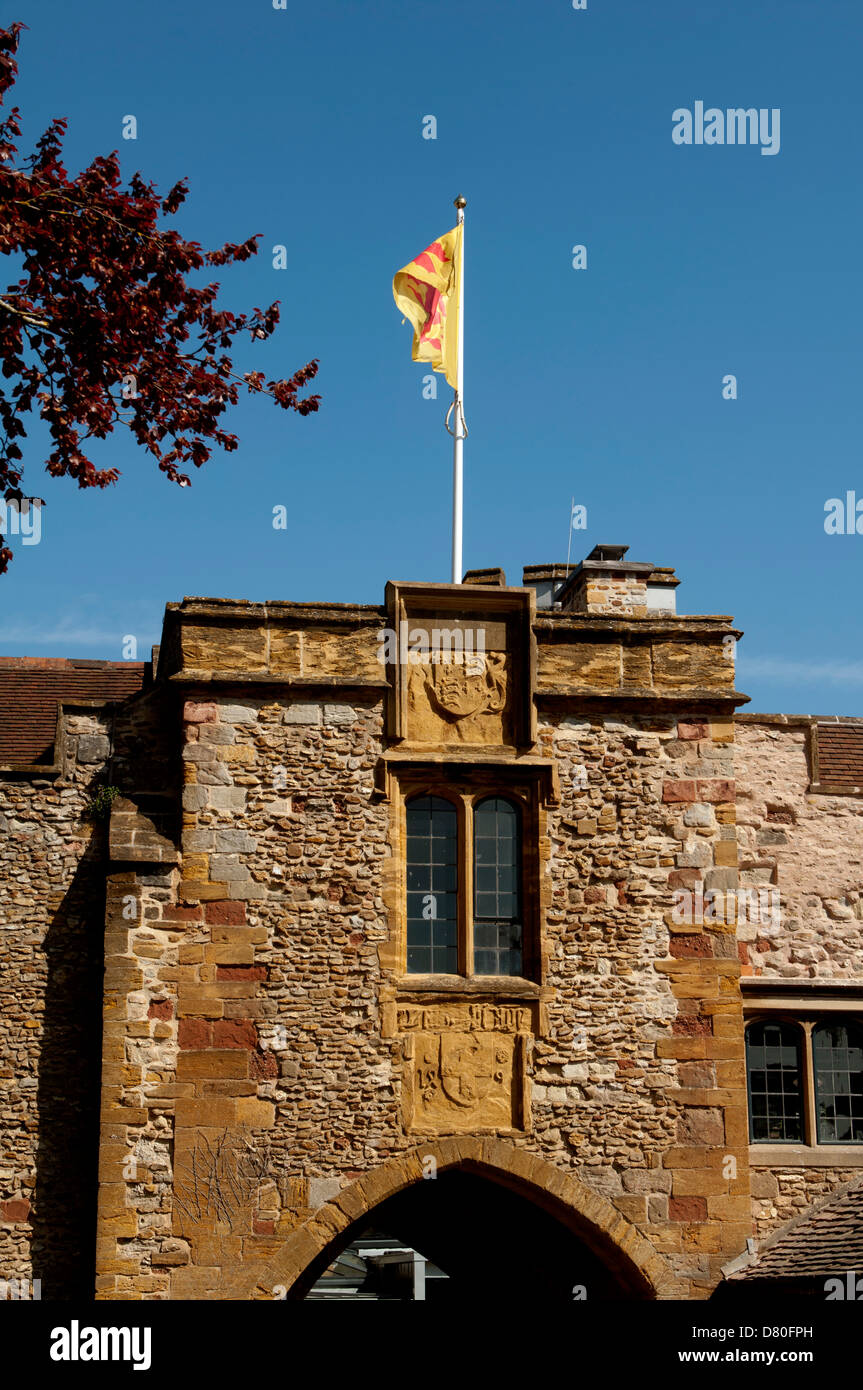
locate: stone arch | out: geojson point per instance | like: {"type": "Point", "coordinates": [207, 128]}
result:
{"type": "Point", "coordinates": [607, 1233]}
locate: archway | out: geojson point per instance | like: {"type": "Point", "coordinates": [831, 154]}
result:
{"type": "Point", "coordinates": [535, 1229]}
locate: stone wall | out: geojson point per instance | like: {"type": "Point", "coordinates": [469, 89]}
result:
{"type": "Point", "coordinates": [51, 921]}
{"type": "Point", "coordinates": [249, 993]}
{"type": "Point", "coordinates": [640, 1085]}
{"type": "Point", "coordinates": [809, 850]}
{"type": "Point", "coordinates": [810, 847]}
{"type": "Point", "coordinates": [252, 1064]}
{"type": "Point", "coordinates": [614, 594]}
{"type": "Point", "coordinates": [780, 1194]}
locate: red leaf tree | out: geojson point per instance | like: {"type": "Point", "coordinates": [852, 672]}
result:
{"type": "Point", "coordinates": [102, 327]}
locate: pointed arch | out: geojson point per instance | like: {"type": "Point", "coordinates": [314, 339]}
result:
{"type": "Point", "coordinates": [641, 1272]}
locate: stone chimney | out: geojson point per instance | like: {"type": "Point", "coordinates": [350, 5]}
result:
{"type": "Point", "coordinates": [606, 584]}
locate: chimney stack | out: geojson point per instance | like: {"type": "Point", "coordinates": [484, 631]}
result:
{"type": "Point", "coordinates": [606, 584]}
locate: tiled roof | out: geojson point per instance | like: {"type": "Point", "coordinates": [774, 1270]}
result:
{"type": "Point", "coordinates": [840, 755]}
{"type": "Point", "coordinates": [31, 688]}
{"type": "Point", "coordinates": [826, 1239]}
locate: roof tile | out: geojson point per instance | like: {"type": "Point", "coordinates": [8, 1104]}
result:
{"type": "Point", "coordinates": [31, 688]}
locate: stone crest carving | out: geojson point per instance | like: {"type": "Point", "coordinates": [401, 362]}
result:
{"type": "Point", "coordinates": [460, 700]}
{"type": "Point", "coordinates": [464, 1067]}
{"type": "Point", "coordinates": [461, 662]}
{"type": "Point", "coordinates": [472, 685]}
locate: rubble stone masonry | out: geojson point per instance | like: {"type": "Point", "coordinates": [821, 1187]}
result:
{"type": "Point", "coordinates": [51, 920]}
{"type": "Point", "coordinates": [251, 1077]}
{"type": "Point", "coordinates": [807, 848]}
{"type": "Point", "coordinates": [266, 1062]}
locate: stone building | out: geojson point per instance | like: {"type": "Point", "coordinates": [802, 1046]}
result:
{"type": "Point", "coordinates": [463, 919]}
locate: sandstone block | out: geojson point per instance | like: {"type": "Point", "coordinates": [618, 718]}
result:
{"type": "Point", "coordinates": [303, 714]}
{"type": "Point", "coordinates": [196, 840]}
{"type": "Point", "coordinates": [720, 878]}
{"type": "Point", "coordinates": [199, 713]}
{"type": "Point", "coordinates": [680, 791]}
{"type": "Point", "coordinates": [195, 798]}
{"type": "Point", "coordinates": [339, 714]}
{"type": "Point", "coordinates": [716, 789]}
{"type": "Point", "coordinates": [196, 866]}
{"type": "Point", "coordinates": [217, 734]}
{"type": "Point", "coordinates": [633, 1207]}
{"type": "Point", "coordinates": [225, 913]}
{"type": "Point", "coordinates": [226, 867]}
{"type": "Point", "coordinates": [722, 730]}
{"type": "Point", "coordinates": [701, 1125]}
{"type": "Point", "coordinates": [687, 1209]}
{"type": "Point", "coordinates": [692, 729]}
{"type": "Point", "coordinates": [224, 798]}
{"type": "Point", "coordinates": [257, 1114]}
{"type": "Point", "coordinates": [222, 1064]}
{"type": "Point", "coordinates": [214, 775]}
{"type": "Point", "coordinates": [234, 842]}
{"type": "Point", "coordinates": [237, 755]}
{"type": "Point", "coordinates": [199, 753]}
{"type": "Point", "coordinates": [246, 889]}
{"type": "Point", "coordinates": [238, 714]}
{"type": "Point", "coordinates": [725, 853]}
{"type": "Point", "coordinates": [764, 1183]}
{"type": "Point", "coordinates": [198, 890]}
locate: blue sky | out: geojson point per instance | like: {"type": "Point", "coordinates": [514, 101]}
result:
{"type": "Point", "coordinates": [605, 384]}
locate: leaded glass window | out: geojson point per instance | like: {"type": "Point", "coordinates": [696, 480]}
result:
{"type": "Point", "coordinates": [432, 886]}
{"type": "Point", "coordinates": [497, 919]}
{"type": "Point", "coordinates": [775, 1088]}
{"type": "Point", "coordinates": [837, 1050]}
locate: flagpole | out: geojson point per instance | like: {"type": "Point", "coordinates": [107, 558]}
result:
{"type": "Point", "coordinates": [458, 437]}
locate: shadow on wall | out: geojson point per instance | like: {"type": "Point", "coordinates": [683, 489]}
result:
{"type": "Point", "coordinates": [63, 1219]}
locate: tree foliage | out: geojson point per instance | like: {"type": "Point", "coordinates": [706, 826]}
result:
{"type": "Point", "coordinates": [102, 327]}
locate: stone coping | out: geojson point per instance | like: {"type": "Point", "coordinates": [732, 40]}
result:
{"type": "Point", "coordinates": [798, 720]}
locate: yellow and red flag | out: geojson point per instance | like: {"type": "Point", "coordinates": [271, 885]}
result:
{"type": "Point", "coordinates": [426, 292]}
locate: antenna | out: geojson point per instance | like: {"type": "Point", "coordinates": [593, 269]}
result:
{"type": "Point", "coordinates": [569, 544]}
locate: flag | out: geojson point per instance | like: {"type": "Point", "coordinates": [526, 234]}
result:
{"type": "Point", "coordinates": [426, 292]}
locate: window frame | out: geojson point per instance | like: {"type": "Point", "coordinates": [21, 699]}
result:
{"type": "Point", "coordinates": [773, 1151]}
{"type": "Point", "coordinates": [841, 1021]}
{"type": "Point", "coordinates": [465, 792]}
{"type": "Point", "coordinates": [458, 809]}
{"type": "Point", "coordinates": [777, 1021]}
{"type": "Point", "coordinates": [477, 802]}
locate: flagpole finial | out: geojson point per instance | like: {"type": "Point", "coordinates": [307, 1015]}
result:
{"type": "Point", "coordinates": [460, 201]}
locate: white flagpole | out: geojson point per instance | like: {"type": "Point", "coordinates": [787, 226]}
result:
{"type": "Point", "coordinates": [458, 437]}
